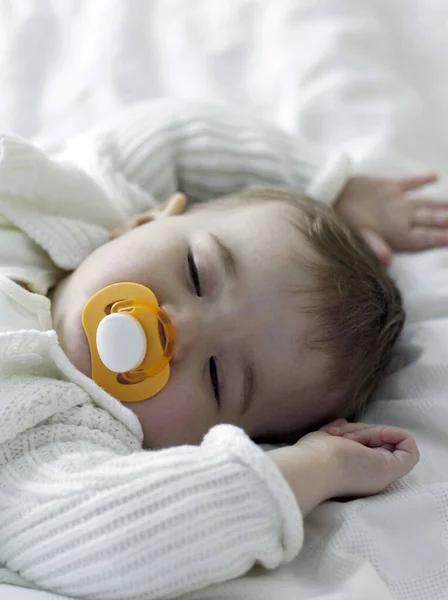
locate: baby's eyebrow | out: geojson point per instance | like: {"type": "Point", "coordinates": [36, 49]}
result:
{"type": "Point", "coordinates": [227, 257]}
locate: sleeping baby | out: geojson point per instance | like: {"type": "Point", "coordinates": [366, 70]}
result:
{"type": "Point", "coordinates": [128, 482]}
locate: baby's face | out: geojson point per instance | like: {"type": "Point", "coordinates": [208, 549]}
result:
{"type": "Point", "coordinates": [226, 277]}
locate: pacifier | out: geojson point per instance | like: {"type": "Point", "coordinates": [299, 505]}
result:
{"type": "Point", "coordinates": [131, 341]}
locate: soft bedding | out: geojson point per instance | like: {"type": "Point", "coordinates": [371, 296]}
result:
{"type": "Point", "coordinates": [370, 76]}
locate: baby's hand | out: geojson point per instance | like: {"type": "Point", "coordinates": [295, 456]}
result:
{"type": "Point", "coordinates": [366, 458]}
{"type": "Point", "coordinates": [345, 459]}
{"type": "Point", "coordinates": [388, 219]}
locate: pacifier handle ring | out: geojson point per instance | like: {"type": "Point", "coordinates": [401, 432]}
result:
{"type": "Point", "coordinates": [137, 375]}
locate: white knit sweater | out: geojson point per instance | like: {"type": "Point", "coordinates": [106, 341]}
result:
{"type": "Point", "coordinates": [84, 511]}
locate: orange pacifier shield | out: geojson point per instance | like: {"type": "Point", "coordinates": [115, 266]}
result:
{"type": "Point", "coordinates": [131, 341]}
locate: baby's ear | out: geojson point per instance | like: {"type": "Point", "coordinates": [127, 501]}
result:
{"type": "Point", "coordinates": [174, 205]}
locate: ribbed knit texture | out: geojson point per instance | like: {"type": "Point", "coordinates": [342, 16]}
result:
{"type": "Point", "coordinates": [202, 150]}
{"type": "Point", "coordinates": [84, 511]}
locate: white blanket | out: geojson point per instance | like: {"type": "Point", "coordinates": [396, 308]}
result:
{"type": "Point", "coordinates": [370, 75]}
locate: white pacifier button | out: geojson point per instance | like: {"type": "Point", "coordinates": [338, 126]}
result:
{"type": "Point", "coordinates": [121, 342]}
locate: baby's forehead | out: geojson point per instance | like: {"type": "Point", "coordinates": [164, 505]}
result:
{"type": "Point", "coordinates": [280, 229]}
{"type": "Point", "coordinates": [267, 220]}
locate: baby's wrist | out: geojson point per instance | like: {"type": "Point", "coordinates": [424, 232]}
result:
{"type": "Point", "coordinates": [308, 472]}
{"type": "Point", "coordinates": [346, 191]}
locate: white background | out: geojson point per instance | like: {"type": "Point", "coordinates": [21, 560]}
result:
{"type": "Point", "coordinates": [368, 75]}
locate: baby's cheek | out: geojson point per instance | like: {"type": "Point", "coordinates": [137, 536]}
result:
{"type": "Point", "coordinates": [73, 342]}
{"type": "Point", "coordinates": [175, 416]}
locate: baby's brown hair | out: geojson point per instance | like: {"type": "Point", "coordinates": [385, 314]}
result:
{"type": "Point", "coordinates": [358, 305]}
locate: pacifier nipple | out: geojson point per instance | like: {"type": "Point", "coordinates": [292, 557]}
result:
{"type": "Point", "coordinates": [121, 342]}
{"type": "Point", "coordinates": [131, 341]}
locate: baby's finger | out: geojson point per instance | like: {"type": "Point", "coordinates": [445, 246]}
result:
{"type": "Point", "coordinates": [408, 458]}
{"type": "Point", "coordinates": [337, 424]}
{"type": "Point", "coordinates": [388, 447]}
{"type": "Point", "coordinates": [407, 184]}
{"type": "Point", "coordinates": [394, 436]}
{"type": "Point", "coordinates": [405, 446]}
{"type": "Point", "coordinates": [369, 436]}
{"type": "Point", "coordinates": [378, 246]}
{"type": "Point", "coordinates": [430, 214]}
{"type": "Point", "coordinates": [342, 429]}
{"type": "Point", "coordinates": [422, 238]}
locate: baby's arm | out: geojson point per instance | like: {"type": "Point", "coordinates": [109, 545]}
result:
{"type": "Point", "coordinates": [155, 149]}
{"type": "Point", "coordinates": [80, 519]}
{"type": "Point", "coordinates": [53, 213]}
{"type": "Point", "coordinates": [203, 150]}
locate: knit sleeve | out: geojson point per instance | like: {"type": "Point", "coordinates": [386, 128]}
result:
{"type": "Point", "coordinates": [203, 150]}
{"type": "Point", "coordinates": [82, 521]}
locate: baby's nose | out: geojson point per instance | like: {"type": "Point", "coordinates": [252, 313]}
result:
{"type": "Point", "coordinates": [187, 324]}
